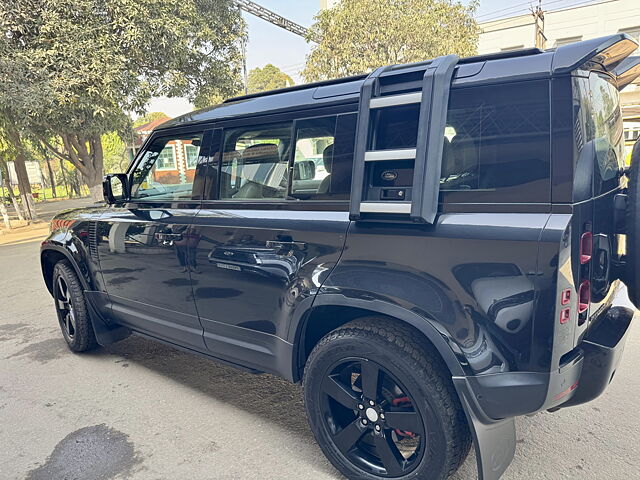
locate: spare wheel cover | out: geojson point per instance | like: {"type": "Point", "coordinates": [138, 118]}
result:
{"type": "Point", "coordinates": [632, 267]}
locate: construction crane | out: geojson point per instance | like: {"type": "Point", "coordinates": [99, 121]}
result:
{"type": "Point", "coordinates": [272, 17]}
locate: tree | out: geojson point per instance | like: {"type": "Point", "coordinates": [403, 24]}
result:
{"type": "Point", "coordinates": [71, 68]}
{"type": "Point", "coordinates": [149, 117]}
{"type": "Point", "coordinates": [269, 77]}
{"type": "Point", "coordinates": [357, 36]}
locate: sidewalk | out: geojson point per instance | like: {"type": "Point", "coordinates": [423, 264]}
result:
{"type": "Point", "coordinates": [39, 229]}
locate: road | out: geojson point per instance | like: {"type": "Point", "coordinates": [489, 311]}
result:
{"type": "Point", "coordinates": [141, 410]}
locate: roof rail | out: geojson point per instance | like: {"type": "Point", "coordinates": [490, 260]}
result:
{"type": "Point", "coordinates": [295, 88]}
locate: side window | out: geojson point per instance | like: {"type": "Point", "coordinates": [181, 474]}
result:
{"type": "Point", "coordinates": [323, 160]}
{"type": "Point", "coordinates": [162, 173]}
{"type": "Point", "coordinates": [497, 146]}
{"type": "Point", "coordinates": [313, 157]}
{"type": "Point", "coordinates": [255, 162]}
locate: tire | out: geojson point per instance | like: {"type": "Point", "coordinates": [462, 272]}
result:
{"type": "Point", "coordinates": [632, 263]}
{"type": "Point", "coordinates": [415, 404]}
{"type": "Point", "coordinates": [71, 309]}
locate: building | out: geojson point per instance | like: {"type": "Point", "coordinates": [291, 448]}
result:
{"type": "Point", "coordinates": [177, 161]}
{"type": "Point", "coordinates": [569, 25]}
{"type": "Point", "coordinates": [324, 4]}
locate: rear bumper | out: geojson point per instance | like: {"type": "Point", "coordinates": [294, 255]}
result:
{"type": "Point", "coordinates": [602, 352]}
{"type": "Point", "coordinates": [582, 378]}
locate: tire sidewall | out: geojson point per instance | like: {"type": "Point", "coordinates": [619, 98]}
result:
{"type": "Point", "coordinates": [77, 298]}
{"type": "Point", "coordinates": [431, 466]}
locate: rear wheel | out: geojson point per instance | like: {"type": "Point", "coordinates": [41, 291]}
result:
{"type": "Point", "coordinates": [382, 406]}
{"type": "Point", "coordinates": [71, 309]}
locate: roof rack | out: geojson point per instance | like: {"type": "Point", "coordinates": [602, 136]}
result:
{"type": "Point", "coordinates": [304, 86]}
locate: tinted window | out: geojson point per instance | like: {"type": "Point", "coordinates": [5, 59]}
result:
{"type": "Point", "coordinates": [313, 157]}
{"type": "Point", "coordinates": [497, 144]}
{"type": "Point", "coordinates": [164, 172]}
{"type": "Point", "coordinates": [255, 162]}
{"type": "Point", "coordinates": [599, 123]}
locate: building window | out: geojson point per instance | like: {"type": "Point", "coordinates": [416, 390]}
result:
{"type": "Point", "coordinates": [191, 153]}
{"type": "Point", "coordinates": [167, 159]}
{"type": "Point", "coordinates": [567, 40]}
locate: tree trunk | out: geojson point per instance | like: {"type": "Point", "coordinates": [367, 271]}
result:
{"type": "Point", "coordinates": [24, 186]}
{"type": "Point", "coordinates": [86, 155]}
{"type": "Point", "coordinates": [52, 178]}
{"type": "Point", "coordinates": [12, 196]}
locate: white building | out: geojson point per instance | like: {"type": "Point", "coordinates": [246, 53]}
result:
{"type": "Point", "coordinates": [572, 25]}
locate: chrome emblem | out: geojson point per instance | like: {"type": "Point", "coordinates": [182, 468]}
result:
{"type": "Point", "coordinates": [389, 175]}
{"type": "Point", "coordinates": [228, 254]}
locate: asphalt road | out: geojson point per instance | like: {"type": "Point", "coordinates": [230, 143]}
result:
{"type": "Point", "coordinates": [142, 410]}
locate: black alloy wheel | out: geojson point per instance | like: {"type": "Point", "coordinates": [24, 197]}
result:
{"type": "Point", "coordinates": [381, 403]}
{"type": "Point", "coordinates": [372, 419]}
{"type": "Point", "coordinates": [64, 308]}
{"type": "Point", "coordinates": [71, 308]}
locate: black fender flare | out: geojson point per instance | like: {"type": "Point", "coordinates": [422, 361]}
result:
{"type": "Point", "coordinates": [494, 440]}
{"type": "Point", "coordinates": [105, 332]}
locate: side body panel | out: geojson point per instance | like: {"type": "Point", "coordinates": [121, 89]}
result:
{"type": "Point", "coordinates": [146, 265]}
{"type": "Point", "coordinates": [258, 268]}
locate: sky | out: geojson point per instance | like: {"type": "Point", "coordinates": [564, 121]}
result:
{"type": "Point", "coordinates": [271, 44]}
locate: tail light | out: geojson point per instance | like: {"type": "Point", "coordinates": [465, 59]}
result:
{"type": "Point", "coordinates": [565, 315]}
{"type": "Point", "coordinates": [584, 296]}
{"type": "Point", "coordinates": [586, 247]}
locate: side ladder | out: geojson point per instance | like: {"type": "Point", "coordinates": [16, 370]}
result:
{"type": "Point", "coordinates": [396, 86]}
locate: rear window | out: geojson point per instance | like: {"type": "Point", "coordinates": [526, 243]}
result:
{"type": "Point", "coordinates": [598, 121]}
{"type": "Point", "coordinates": [497, 142]}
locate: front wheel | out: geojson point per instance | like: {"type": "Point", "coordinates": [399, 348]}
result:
{"type": "Point", "coordinates": [71, 309]}
{"type": "Point", "coordinates": [381, 405]}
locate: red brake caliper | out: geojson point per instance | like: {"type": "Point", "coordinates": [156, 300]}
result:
{"type": "Point", "coordinates": [402, 402]}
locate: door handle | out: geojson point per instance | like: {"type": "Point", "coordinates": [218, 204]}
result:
{"type": "Point", "coordinates": [167, 239]}
{"type": "Point", "coordinates": [282, 245]}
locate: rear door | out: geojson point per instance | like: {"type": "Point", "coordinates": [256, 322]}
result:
{"type": "Point", "coordinates": [146, 245]}
{"type": "Point", "coordinates": [272, 232]}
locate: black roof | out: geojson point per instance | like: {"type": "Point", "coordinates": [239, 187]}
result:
{"type": "Point", "coordinates": [606, 53]}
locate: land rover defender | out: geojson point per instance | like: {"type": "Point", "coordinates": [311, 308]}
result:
{"type": "Point", "coordinates": [432, 249]}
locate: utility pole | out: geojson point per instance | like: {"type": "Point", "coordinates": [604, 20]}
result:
{"type": "Point", "coordinates": [540, 40]}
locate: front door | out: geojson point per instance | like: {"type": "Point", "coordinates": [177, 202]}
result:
{"type": "Point", "coordinates": [146, 245]}
{"type": "Point", "coordinates": [273, 234]}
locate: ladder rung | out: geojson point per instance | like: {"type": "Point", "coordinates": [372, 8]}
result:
{"type": "Point", "coordinates": [385, 207]}
{"type": "Point", "coordinates": [380, 155]}
{"type": "Point", "coordinates": [395, 100]}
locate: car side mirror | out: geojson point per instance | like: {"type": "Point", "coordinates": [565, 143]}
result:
{"type": "Point", "coordinates": [115, 188]}
{"type": "Point", "coordinates": [304, 170]}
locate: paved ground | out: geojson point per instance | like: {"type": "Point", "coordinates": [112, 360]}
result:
{"type": "Point", "coordinates": [145, 411]}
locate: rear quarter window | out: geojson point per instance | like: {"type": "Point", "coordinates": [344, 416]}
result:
{"type": "Point", "coordinates": [497, 147]}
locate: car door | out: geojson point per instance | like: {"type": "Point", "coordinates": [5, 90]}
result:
{"type": "Point", "coordinates": [264, 246]}
{"type": "Point", "coordinates": [146, 244]}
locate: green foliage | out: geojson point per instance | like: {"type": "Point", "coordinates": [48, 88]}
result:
{"type": "Point", "coordinates": [116, 157]}
{"type": "Point", "coordinates": [357, 36]}
{"type": "Point", "coordinates": [72, 68]}
{"type": "Point", "coordinates": [269, 77]}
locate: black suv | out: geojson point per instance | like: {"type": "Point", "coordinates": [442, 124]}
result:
{"type": "Point", "coordinates": [432, 249]}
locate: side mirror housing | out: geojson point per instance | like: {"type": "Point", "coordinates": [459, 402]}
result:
{"type": "Point", "coordinates": [304, 170]}
{"type": "Point", "coordinates": [115, 188]}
